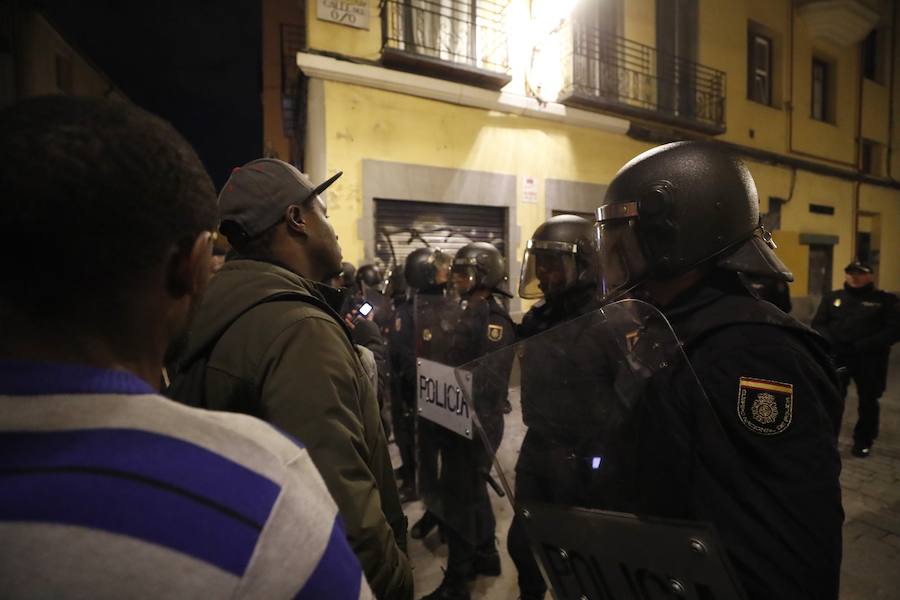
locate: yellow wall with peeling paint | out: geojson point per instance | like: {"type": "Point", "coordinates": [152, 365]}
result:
{"type": "Point", "coordinates": [363, 123]}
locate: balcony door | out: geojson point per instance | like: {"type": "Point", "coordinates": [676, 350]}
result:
{"type": "Point", "coordinates": [597, 27]}
{"type": "Point", "coordinates": [676, 48]}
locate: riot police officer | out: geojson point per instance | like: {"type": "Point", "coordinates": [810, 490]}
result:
{"type": "Point", "coordinates": [480, 326]}
{"type": "Point", "coordinates": [369, 288]}
{"type": "Point", "coordinates": [401, 348]}
{"type": "Point", "coordinates": [861, 322]}
{"type": "Point", "coordinates": [675, 227]}
{"type": "Point", "coordinates": [426, 272]}
{"type": "Point", "coordinates": [368, 277]}
{"type": "Point", "coordinates": [559, 267]}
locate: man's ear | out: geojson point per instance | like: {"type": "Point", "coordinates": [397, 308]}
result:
{"type": "Point", "coordinates": [190, 266]}
{"type": "Point", "coordinates": [293, 216]}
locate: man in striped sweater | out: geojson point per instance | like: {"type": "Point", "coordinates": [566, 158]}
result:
{"type": "Point", "coordinates": [108, 490]}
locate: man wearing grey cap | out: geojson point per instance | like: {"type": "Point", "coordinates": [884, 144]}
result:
{"type": "Point", "coordinates": [861, 322]}
{"type": "Point", "coordinates": [269, 342]}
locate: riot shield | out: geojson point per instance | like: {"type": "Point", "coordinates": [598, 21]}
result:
{"type": "Point", "coordinates": [452, 463]}
{"type": "Point", "coordinates": [597, 458]}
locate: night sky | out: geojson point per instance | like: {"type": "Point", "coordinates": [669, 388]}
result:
{"type": "Point", "coordinates": [196, 63]}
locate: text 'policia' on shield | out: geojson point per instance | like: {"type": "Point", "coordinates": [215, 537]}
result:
{"type": "Point", "coordinates": [441, 399]}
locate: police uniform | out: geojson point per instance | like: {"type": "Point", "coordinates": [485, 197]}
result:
{"type": "Point", "coordinates": [402, 347]}
{"type": "Point", "coordinates": [766, 468]}
{"type": "Point", "coordinates": [551, 422]}
{"type": "Point", "coordinates": [744, 436]}
{"type": "Point", "coordinates": [429, 343]}
{"type": "Point", "coordinates": [769, 289]}
{"type": "Point", "coordinates": [861, 324]}
{"type": "Point", "coordinates": [468, 519]}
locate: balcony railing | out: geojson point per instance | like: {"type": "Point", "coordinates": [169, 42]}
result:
{"type": "Point", "coordinates": [617, 74]}
{"type": "Point", "coordinates": [461, 40]}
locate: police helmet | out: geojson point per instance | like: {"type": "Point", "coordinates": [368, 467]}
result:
{"type": "Point", "coordinates": [395, 282]}
{"type": "Point", "coordinates": [675, 207]}
{"type": "Point", "coordinates": [479, 265]}
{"type": "Point", "coordinates": [560, 256]}
{"type": "Point", "coordinates": [348, 274]}
{"type": "Point", "coordinates": [368, 275]}
{"type": "Point", "coordinates": [426, 267]}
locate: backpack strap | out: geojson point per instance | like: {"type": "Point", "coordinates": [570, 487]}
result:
{"type": "Point", "coordinates": [188, 384]}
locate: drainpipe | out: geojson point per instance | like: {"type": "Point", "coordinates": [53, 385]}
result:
{"type": "Point", "coordinates": [854, 216]}
{"type": "Point", "coordinates": [790, 69]}
{"type": "Point", "coordinates": [893, 92]}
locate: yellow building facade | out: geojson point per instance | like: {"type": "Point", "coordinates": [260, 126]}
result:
{"type": "Point", "coordinates": [528, 109]}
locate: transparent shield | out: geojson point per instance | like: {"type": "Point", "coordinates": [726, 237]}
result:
{"type": "Point", "coordinates": [596, 456]}
{"type": "Point", "coordinates": [453, 465]}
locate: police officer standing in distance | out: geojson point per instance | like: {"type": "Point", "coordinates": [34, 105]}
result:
{"type": "Point", "coordinates": [482, 326]}
{"type": "Point", "coordinates": [676, 226]}
{"type": "Point", "coordinates": [861, 322]}
{"type": "Point", "coordinates": [559, 268]}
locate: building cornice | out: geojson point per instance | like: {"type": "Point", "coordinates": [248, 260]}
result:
{"type": "Point", "coordinates": [377, 77]}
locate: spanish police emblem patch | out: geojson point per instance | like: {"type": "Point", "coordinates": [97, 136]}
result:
{"type": "Point", "coordinates": [426, 335]}
{"type": "Point", "coordinates": [398, 324]}
{"type": "Point", "coordinates": [765, 407]}
{"type": "Point", "coordinates": [837, 301]}
{"type": "Point", "coordinates": [495, 333]}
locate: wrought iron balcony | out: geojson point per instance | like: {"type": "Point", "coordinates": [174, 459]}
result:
{"type": "Point", "coordinates": [460, 40]}
{"type": "Point", "coordinates": [619, 75]}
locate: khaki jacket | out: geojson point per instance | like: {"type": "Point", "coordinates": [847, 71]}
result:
{"type": "Point", "coordinates": [291, 363]}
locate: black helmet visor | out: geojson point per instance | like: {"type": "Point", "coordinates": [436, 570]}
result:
{"type": "Point", "coordinates": [548, 268]}
{"type": "Point", "coordinates": [464, 274]}
{"type": "Point", "coordinates": [621, 260]}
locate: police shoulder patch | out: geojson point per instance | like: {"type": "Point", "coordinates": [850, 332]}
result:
{"type": "Point", "coordinates": [426, 335]}
{"type": "Point", "coordinates": [398, 324]}
{"type": "Point", "coordinates": [765, 407]}
{"type": "Point", "coordinates": [495, 333]}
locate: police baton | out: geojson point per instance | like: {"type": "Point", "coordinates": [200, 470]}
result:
{"type": "Point", "coordinates": [493, 483]}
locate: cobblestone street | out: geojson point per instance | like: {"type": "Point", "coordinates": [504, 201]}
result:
{"type": "Point", "coordinates": [871, 563]}
{"type": "Point", "coordinates": [871, 567]}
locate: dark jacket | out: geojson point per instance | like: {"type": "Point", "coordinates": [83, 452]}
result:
{"type": "Point", "coordinates": [768, 481]}
{"type": "Point", "coordinates": [769, 289]}
{"type": "Point", "coordinates": [555, 366]}
{"type": "Point", "coordinates": [292, 364]}
{"type": "Point", "coordinates": [859, 320]}
{"type": "Point", "coordinates": [367, 334]}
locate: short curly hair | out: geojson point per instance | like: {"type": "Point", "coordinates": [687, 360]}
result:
{"type": "Point", "coordinates": [94, 193]}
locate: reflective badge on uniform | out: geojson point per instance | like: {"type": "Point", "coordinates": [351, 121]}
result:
{"type": "Point", "coordinates": [764, 406]}
{"type": "Point", "coordinates": [495, 333]}
{"type": "Point", "coordinates": [837, 302]}
{"type": "Point", "coordinates": [426, 335]}
{"type": "Point", "coordinates": [631, 339]}
{"type": "Point", "coordinates": [398, 324]}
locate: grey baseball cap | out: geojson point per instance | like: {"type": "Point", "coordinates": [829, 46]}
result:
{"type": "Point", "coordinates": [255, 196]}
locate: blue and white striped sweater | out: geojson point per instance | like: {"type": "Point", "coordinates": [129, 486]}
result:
{"type": "Point", "coordinates": [109, 490]}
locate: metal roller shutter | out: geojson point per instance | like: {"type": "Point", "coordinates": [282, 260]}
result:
{"type": "Point", "coordinates": [402, 226]}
